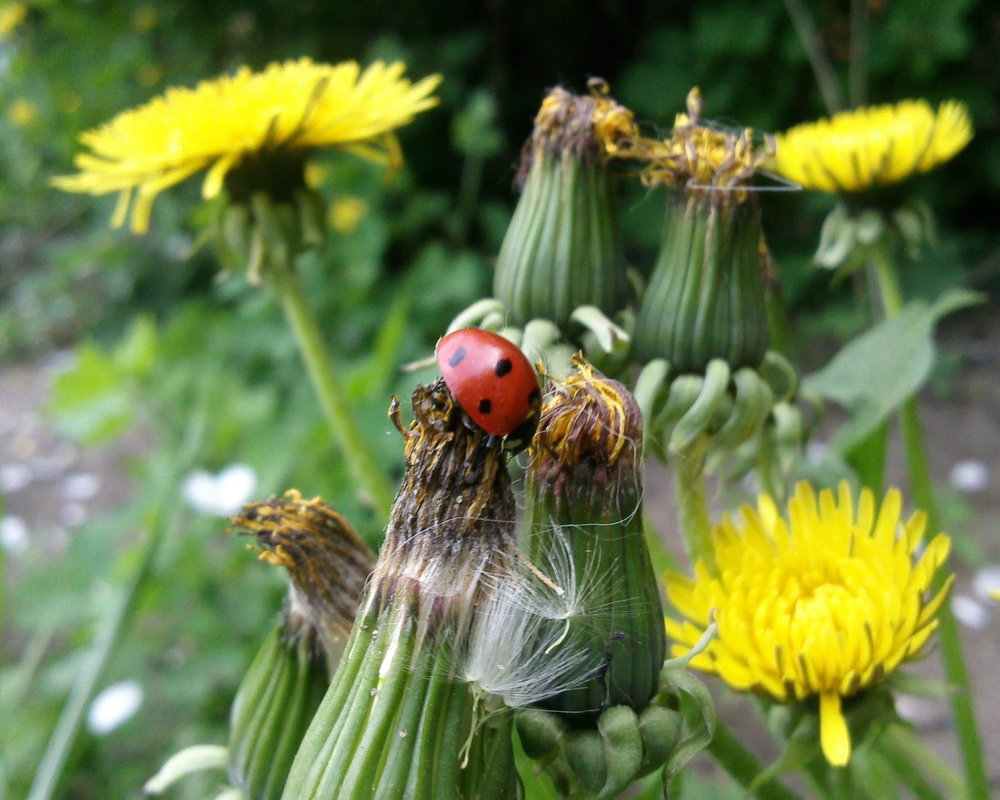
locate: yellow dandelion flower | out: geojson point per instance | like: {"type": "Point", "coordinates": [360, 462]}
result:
{"type": "Point", "coordinates": [11, 16]}
{"type": "Point", "coordinates": [22, 112]}
{"type": "Point", "coordinates": [871, 147]}
{"type": "Point", "coordinates": [826, 602]}
{"type": "Point", "coordinates": [346, 213]}
{"type": "Point", "coordinates": [275, 116]}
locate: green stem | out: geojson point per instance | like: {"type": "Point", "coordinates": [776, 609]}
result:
{"type": "Point", "coordinates": [822, 69]}
{"type": "Point", "coordinates": [905, 751]}
{"type": "Point", "coordinates": [692, 503]}
{"type": "Point", "coordinates": [918, 471]}
{"type": "Point", "coordinates": [109, 632]}
{"type": "Point", "coordinates": [361, 463]}
{"type": "Point", "coordinates": [119, 611]}
{"type": "Point", "coordinates": [743, 766]}
{"type": "Point", "coordinates": [858, 55]}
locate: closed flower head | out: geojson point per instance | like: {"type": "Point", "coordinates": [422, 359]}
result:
{"type": "Point", "coordinates": [561, 250]}
{"type": "Point", "coordinates": [705, 297]}
{"type": "Point", "coordinates": [871, 147]}
{"type": "Point", "coordinates": [584, 499]}
{"type": "Point", "coordinates": [250, 131]}
{"type": "Point", "coordinates": [824, 602]}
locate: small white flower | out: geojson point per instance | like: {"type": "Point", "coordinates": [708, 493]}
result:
{"type": "Point", "coordinates": [114, 706]}
{"type": "Point", "coordinates": [14, 534]}
{"type": "Point", "coordinates": [970, 612]}
{"type": "Point", "coordinates": [223, 494]}
{"type": "Point", "coordinates": [81, 486]}
{"type": "Point", "coordinates": [14, 477]}
{"type": "Point", "coordinates": [970, 476]}
{"type": "Point", "coordinates": [986, 583]}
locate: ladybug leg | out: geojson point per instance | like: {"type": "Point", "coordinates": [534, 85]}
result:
{"type": "Point", "coordinates": [394, 415]}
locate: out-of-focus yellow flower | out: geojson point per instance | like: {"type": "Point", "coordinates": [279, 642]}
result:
{"type": "Point", "coordinates": [316, 174]}
{"type": "Point", "coordinates": [258, 123]}
{"type": "Point", "coordinates": [22, 112]}
{"type": "Point", "coordinates": [346, 212]}
{"type": "Point", "coordinates": [144, 18]}
{"type": "Point", "coordinates": [858, 150]}
{"type": "Point", "coordinates": [826, 602]}
{"type": "Point", "coordinates": [11, 16]}
{"type": "Point", "coordinates": [150, 75]}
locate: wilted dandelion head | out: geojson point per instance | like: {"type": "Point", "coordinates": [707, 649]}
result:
{"type": "Point", "coordinates": [327, 562]}
{"type": "Point", "coordinates": [591, 126]}
{"type": "Point", "coordinates": [699, 156]}
{"type": "Point", "coordinates": [825, 601]}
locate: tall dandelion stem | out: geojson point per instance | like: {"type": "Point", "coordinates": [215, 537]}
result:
{"type": "Point", "coordinates": [363, 467]}
{"type": "Point", "coordinates": [918, 472]}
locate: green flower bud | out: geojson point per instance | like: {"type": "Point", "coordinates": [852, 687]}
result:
{"type": "Point", "coordinates": [584, 495]}
{"type": "Point", "coordinates": [262, 234]}
{"type": "Point", "coordinates": [274, 705]}
{"type": "Point", "coordinates": [327, 564]}
{"type": "Point", "coordinates": [399, 720]}
{"type": "Point", "coordinates": [561, 250]}
{"type": "Point", "coordinates": [706, 294]}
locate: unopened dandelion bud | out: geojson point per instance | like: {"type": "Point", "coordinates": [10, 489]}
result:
{"type": "Point", "coordinates": [327, 566]}
{"type": "Point", "coordinates": [562, 249]}
{"type": "Point", "coordinates": [274, 705]}
{"type": "Point", "coordinates": [399, 720]}
{"type": "Point", "coordinates": [706, 294]}
{"type": "Point", "coordinates": [585, 495]}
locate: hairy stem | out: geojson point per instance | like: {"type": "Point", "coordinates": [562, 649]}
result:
{"type": "Point", "coordinates": [361, 463]}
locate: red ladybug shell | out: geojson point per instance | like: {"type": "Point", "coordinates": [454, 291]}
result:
{"type": "Point", "coordinates": [490, 378]}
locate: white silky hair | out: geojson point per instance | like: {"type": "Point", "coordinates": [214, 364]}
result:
{"type": "Point", "coordinates": [520, 648]}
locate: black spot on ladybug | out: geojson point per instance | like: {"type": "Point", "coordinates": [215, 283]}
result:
{"type": "Point", "coordinates": [535, 396]}
{"type": "Point", "coordinates": [485, 406]}
{"type": "Point", "coordinates": [457, 357]}
{"type": "Point", "coordinates": [502, 367]}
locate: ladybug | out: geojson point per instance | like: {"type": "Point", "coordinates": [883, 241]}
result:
{"type": "Point", "coordinates": [493, 382]}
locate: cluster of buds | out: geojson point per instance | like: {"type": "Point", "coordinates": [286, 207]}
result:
{"type": "Point", "coordinates": [459, 625]}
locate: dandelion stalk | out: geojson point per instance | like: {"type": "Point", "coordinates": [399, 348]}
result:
{"type": "Point", "coordinates": [743, 767]}
{"type": "Point", "coordinates": [109, 632]}
{"type": "Point", "coordinates": [333, 398]}
{"type": "Point", "coordinates": [966, 728]}
{"type": "Point", "coordinates": [905, 750]}
{"type": "Point", "coordinates": [822, 69]}
{"type": "Point", "coordinates": [115, 622]}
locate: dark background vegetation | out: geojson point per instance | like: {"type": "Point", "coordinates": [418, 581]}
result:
{"type": "Point", "coordinates": [167, 352]}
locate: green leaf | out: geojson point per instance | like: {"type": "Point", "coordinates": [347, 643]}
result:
{"type": "Point", "coordinates": [136, 352]}
{"type": "Point", "coordinates": [883, 367]}
{"type": "Point", "coordinates": [89, 400]}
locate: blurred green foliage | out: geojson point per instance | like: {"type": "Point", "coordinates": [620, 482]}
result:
{"type": "Point", "coordinates": [165, 345]}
